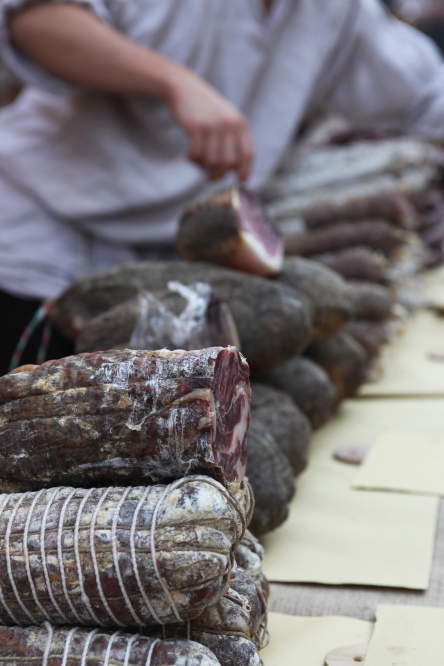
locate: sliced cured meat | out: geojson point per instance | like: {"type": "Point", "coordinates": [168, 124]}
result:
{"type": "Point", "coordinates": [123, 416]}
{"type": "Point", "coordinates": [63, 645]}
{"type": "Point", "coordinates": [274, 321]}
{"type": "Point", "coordinates": [328, 292]}
{"type": "Point", "coordinates": [287, 424]}
{"type": "Point", "coordinates": [119, 557]}
{"type": "Point", "coordinates": [345, 361]}
{"type": "Point", "coordinates": [308, 385]}
{"type": "Point", "coordinates": [356, 263]}
{"type": "Point", "coordinates": [231, 229]}
{"type": "Point", "coordinates": [271, 477]}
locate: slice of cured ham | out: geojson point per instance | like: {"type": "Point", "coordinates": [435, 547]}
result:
{"type": "Point", "coordinates": [122, 416]}
{"type": "Point", "coordinates": [231, 229]}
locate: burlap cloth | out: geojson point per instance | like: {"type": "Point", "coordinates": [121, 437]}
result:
{"type": "Point", "coordinates": [356, 601]}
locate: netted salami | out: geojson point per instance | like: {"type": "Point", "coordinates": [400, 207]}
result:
{"type": "Point", "coordinates": [235, 628]}
{"type": "Point", "coordinates": [119, 556]}
{"type": "Point", "coordinates": [66, 646]}
{"type": "Point", "coordinates": [125, 416]}
{"type": "Point", "coordinates": [249, 555]}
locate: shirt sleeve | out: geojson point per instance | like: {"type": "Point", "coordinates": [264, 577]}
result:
{"type": "Point", "coordinates": [25, 69]}
{"type": "Point", "coordinates": [387, 75]}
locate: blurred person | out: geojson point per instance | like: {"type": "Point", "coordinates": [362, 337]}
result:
{"type": "Point", "coordinates": [133, 108]}
{"type": "Point", "coordinates": [425, 15]}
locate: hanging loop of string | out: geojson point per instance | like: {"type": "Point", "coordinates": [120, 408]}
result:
{"type": "Point", "coordinates": [39, 316]}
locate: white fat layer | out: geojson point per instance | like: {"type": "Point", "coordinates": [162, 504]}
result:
{"type": "Point", "coordinates": [256, 255]}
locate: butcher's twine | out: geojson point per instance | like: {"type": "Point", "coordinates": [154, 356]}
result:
{"type": "Point", "coordinates": [89, 637]}
{"type": "Point", "coordinates": [168, 489]}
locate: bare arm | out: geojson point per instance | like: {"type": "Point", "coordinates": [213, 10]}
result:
{"type": "Point", "coordinates": [70, 42]}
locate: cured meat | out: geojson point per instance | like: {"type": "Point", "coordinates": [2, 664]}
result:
{"type": "Point", "coordinates": [345, 361]}
{"type": "Point", "coordinates": [57, 646]}
{"type": "Point", "coordinates": [235, 628]}
{"type": "Point", "coordinates": [380, 197]}
{"type": "Point", "coordinates": [124, 416]}
{"type": "Point", "coordinates": [371, 301]}
{"type": "Point", "coordinates": [184, 318]}
{"type": "Point", "coordinates": [331, 169]}
{"type": "Point", "coordinates": [308, 385]}
{"type": "Point", "coordinates": [273, 321]}
{"type": "Point", "coordinates": [231, 229]}
{"type": "Point", "coordinates": [271, 477]}
{"type": "Point", "coordinates": [287, 424]}
{"type": "Point", "coordinates": [372, 335]}
{"type": "Point", "coordinates": [119, 556]}
{"type": "Point", "coordinates": [375, 234]}
{"type": "Point", "coordinates": [328, 292]}
{"type": "Point", "coordinates": [249, 555]}
{"type": "Point", "coordinates": [356, 263]}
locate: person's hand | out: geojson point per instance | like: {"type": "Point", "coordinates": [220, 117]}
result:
{"type": "Point", "coordinates": [220, 140]}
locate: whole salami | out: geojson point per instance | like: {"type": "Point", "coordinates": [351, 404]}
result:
{"type": "Point", "coordinates": [125, 417]}
{"type": "Point", "coordinates": [235, 628]}
{"type": "Point", "coordinates": [119, 556]}
{"type": "Point", "coordinates": [66, 646]}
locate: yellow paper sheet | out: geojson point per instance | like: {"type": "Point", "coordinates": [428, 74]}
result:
{"type": "Point", "coordinates": [305, 641]}
{"type": "Point", "coordinates": [337, 535]}
{"type": "Point", "coordinates": [404, 461]}
{"type": "Point", "coordinates": [408, 370]}
{"type": "Point", "coordinates": [407, 636]}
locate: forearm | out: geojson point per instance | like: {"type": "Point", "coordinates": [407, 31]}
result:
{"type": "Point", "coordinates": [70, 42]}
{"type": "Point", "coordinates": [73, 44]}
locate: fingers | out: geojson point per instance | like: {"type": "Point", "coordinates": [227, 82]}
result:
{"type": "Point", "coordinates": [247, 155]}
{"type": "Point", "coordinates": [222, 148]}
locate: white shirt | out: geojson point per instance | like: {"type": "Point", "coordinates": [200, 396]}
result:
{"type": "Point", "coordinates": [89, 180]}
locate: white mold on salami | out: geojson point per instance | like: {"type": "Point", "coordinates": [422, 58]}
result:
{"type": "Point", "coordinates": [118, 557]}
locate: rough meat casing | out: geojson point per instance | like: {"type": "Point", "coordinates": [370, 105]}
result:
{"type": "Point", "coordinates": [345, 361]}
{"type": "Point", "coordinates": [271, 477]}
{"type": "Point", "coordinates": [235, 628]}
{"type": "Point", "coordinates": [328, 292]}
{"type": "Point", "coordinates": [33, 645]}
{"type": "Point", "coordinates": [274, 321]}
{"type": "Point", "coordinates": [119, 556]}
{"type": "Point", "coordinates": [288, 425]}
{"type": "Point", "coordinates": [124, 416]}
{"type": "Point", "coordinates": [308, 385]}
